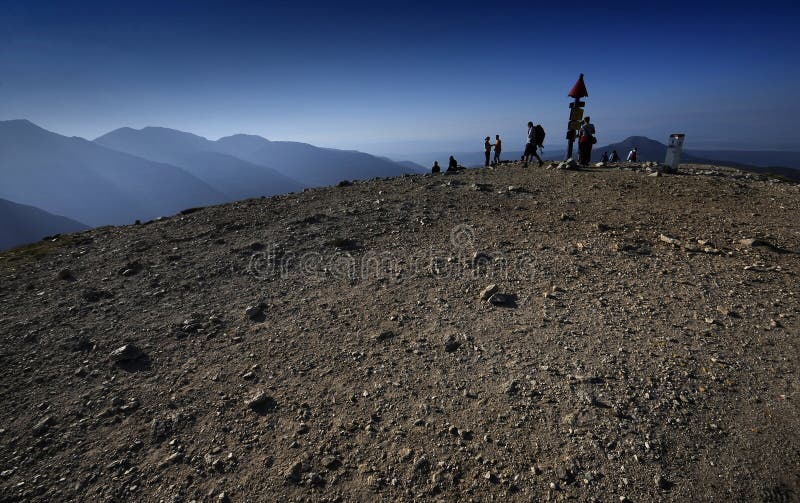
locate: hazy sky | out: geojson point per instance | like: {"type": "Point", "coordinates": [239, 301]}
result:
{"type": "Point", "coordinates": [399, 76]}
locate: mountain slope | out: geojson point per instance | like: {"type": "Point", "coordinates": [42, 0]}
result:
{"type": "Point", "coordinates": [88, 182]}
{"type": "Point", "coordinates": [237, 178]}
{"type": "Point", "coordinates": [374, 368]}
{"type": "Point", "coordinates": [20, 224]}
{"type": "Point", "coordinates": [311, 165]}
{"type": "Point", "coordinates": [308, 164]}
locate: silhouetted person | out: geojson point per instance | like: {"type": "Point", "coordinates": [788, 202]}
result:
{"type": "Point", "coordinates": [435, 168]}
{"type": "Point", "coordinates": [614, 157]}
{"type": "Point", "coordinates": [532, 144]}
{"type": "Point", "coordinates": [487, 150]}
{"type": "Point", "coordinates": [497, 149]}
{"type": "Point", "coordinates": [585, 141]}
{"type": "Point", "coordinates": [632, 154]}
{"type": "Point", "coordinates": [453, 165]}
{"type": "Point", "coordinates": [604, 159]}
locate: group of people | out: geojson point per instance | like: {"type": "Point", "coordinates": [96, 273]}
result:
{"type": "Point", "coordinates": [535, 142]}
{"type": "Point", "coordinates": [487, 149]}
{"type": "Point", "coordinates": [451, 166]}
{"type": "Point", "coordinates": [614, 157]}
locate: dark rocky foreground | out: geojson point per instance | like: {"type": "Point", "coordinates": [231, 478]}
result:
{"type": "Point", "coordinates": [640, 343]}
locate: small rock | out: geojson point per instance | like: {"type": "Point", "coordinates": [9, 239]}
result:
{"type": "Point", "coordinates": [451, 344]}
{"type": "Point", "coordinates": [126, 353]}
{"type": "Point", "coordinates": [499, 299]}
{"type": "Point", "coordinates": [172, 458]}
{"type": "Point", "coordinates": [422, 464]}
{"type": "Point", "coordinates": [293, 472]}
{"type": "Point", "coordinates": [488, 292]}
{"type": "Point", "coordinates": [384, 335]}
{"type": "Point", "coordinates": [512, 387]}
{"type": "Point", "coordinates": [261, 403]}
{"type": "Point", "coordinates": [752, 242]}
{"type": "Point", "coordinates": [331, 463]}
{"type": "Point", "coordinates": [253, 312]}
{"type": "Point", "coordinates": [669, 240]}
{"type": "Point", "coordinates": [65, 275]}
{"type": "Point", "coordinates": [315, 479]}
{"type": "Point", "coordinates": [405, 454]}
{"type": "Point", "coordinates": [42, 426]}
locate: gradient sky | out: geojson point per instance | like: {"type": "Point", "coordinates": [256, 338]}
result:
{"type": "Point", "coordinates": [405, 76]}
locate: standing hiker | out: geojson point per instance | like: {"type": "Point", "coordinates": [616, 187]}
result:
{"type": "Point", "coordinates": [497, 149]}
{"type": "Point", "coordinates": [487, 150]}
{"type": "Point", "coordinates": [585, 141]}
{"type": "Point", "coordinates": [535, 140]}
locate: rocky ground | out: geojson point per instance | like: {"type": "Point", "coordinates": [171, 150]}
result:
{"type": "Point", "coordinates": [512, 334]}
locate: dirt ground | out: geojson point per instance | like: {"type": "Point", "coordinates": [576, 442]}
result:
{"type": "Point", "coordinates": [641, 343]}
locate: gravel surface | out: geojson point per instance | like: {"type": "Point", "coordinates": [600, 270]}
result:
{"type": "Point", "coordinates": [509, 334]}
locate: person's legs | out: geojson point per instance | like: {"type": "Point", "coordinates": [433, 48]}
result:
{"type": "Point", "coordinates": [584, 152]}
{"type": "Point", "coordinates": [496, 156]}
{"type": "Point", "coordinates": [487, 158]}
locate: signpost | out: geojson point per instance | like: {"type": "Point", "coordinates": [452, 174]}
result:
{"type": "Point", "coordinates": [674, 148]}
{"type": "Point", "coordinates": [578, 91]}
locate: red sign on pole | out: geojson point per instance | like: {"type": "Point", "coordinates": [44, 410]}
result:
{"type": "Point", "coordinates": [579, 89]}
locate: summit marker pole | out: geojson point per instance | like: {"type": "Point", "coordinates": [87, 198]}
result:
{"type": "Point", "coordinates": [578, 91]}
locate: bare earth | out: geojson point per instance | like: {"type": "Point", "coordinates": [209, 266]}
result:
{"type": "Point", "coordinates": [639, 350]}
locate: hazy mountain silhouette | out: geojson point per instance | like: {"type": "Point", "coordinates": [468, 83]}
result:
{"type": "Point", "coordinates": [20, 224]}
{"type": "Point", "coordinates": [411, 165]}
{"type": "Point", "coordinates": [762, 158]}
{"type": "Point", "coordinates": [201, 157]}
{"type": "Point", "coordinates": [308, 164]}
{"type": "Point", "coordinates": [649, 150]}
{"type": "Point", "coordinates": [91, 183]}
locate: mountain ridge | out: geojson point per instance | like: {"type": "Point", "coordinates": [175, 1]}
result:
{"type": "Point", "coordinates": [21, 224]}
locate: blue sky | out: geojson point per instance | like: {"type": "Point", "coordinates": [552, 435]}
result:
{"type": "Point", "coordinates": [404, 76]}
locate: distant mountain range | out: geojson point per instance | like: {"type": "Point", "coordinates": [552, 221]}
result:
{"type": "Point", "coordinates": [234, 177]}
{"type": "Point", "coordinates": [131, 174]}
{"type": "Point", "coordinates": [21, 224]}
{"type": "Point", "coordinates": [90, 183]}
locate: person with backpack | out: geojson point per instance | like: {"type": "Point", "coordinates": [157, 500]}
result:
{"type": "Point", "coordinates": [614, 157]}
{"type": "Point", "coordinates": [497, 149]}
{"type": "Point", "coordinates": [585, 141]}
{"type": "Point", "coordinates": [535, 140]}
{"type": "Point", "coordinates": [487, 150]}
{"type": "Point", "coordinates": [632, 154]}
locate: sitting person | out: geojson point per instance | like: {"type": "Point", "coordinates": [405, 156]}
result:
{"type": "Point", "coordinates": [435, 168]}
{"type": "Point", "coordinates": [614, 157]}
{"type": "Point", "coordinates": [453, 165]}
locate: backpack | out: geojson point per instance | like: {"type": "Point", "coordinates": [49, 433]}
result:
{"type": "Point", "coordinates": [538, 135]}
